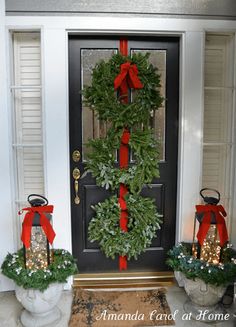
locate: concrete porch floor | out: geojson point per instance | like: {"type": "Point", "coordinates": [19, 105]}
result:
{"type": "Point", "coordinates": [10, 310]}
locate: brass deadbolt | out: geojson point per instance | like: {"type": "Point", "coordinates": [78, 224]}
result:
{"type": "Point", "coordinates": [76, 156]}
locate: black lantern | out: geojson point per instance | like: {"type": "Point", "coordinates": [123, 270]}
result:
{"type": "Point", "coordinates": [212, 234]}
{"type": "Point", "coordinates": [37, 232]}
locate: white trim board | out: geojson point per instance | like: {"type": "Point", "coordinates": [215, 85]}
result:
{"type": "Point", "coordinates": [6, 221]}
{"type": "Point", "coordinates": [117, 24]}
{"type": "Point", "coordinates": [210, 9]}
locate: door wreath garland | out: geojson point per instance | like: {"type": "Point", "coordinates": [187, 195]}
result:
{"type": "Point", "coordinates": [124, 224]}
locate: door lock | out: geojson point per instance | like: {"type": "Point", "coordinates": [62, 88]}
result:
{"type": "Point", "coordinates": [76, 156]}
{"type": "Point", "coordinates": [76, 176]}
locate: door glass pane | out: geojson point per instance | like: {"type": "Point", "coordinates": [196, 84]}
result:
{"type": "Point", "coordinates": [158, 59]}
{"type": "Point", "coordinates": [91, 127]}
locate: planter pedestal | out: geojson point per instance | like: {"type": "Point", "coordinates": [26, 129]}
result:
{"type": "Point", "coordinates": [29, 319]}
{"type": "Point", "coordinates": [40, 307]}
{"type": "Point", "coordinates": [203, 298]}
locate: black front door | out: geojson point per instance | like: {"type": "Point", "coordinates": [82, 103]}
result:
{"type": "Point", "coordinates": [84, 52]}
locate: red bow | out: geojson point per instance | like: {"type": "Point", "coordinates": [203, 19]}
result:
{"type": "Point", "coordinates": [44, 222]}
{"type": "Point", "coordinates": [220, 213]}
{"type": "Point", "coordinates": [128, 77]}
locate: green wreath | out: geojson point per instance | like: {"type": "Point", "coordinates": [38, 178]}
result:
{"type": "Point", "coordinates": [143, 219]}
{"type": "Point", "coordinates": [103, 156]}
{"type": "Point", "coordinates": [102, 98]}
{"type": "Point", "coordinates": [143, 223]}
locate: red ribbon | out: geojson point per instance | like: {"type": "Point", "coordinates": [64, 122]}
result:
{"type": "Point", "coordinates": [123, 206]}
{"type": "Point", "coordinates": [220, 213]}
{"type": "Point", "coordinates": [44, 222]}
{"type": "Point", "coordinates": [124, 156]}
{"type": "Point", "coordinates": [124, 149]}
{"type": "Point", "coordinates": [128, 77]}
{"type": "Point", "coordinates": [123, 262]}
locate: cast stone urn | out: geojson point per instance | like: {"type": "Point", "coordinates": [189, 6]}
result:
{"type": "Point", "coordinates": [203, 297]}
{"type": "Point", "coordinates": [180, 278]}
{"type": "Point", "coordinates": [40, 307]}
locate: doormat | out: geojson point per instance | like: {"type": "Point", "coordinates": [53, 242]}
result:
{"type": "Point", "coordinates": [92, 308]}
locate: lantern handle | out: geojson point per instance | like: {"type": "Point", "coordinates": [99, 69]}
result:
{"type": "Point", "coordinates": [39, 196]}
{"type": "Point", "coordinates": [209, 189]}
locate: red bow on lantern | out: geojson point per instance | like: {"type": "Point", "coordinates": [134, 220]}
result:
{"type": "Point", "coordinates": [44, 222]}
{"type": "Point", "coordinates": [128, 77]}
{"type": "Point", "coordinates": [220, 213]}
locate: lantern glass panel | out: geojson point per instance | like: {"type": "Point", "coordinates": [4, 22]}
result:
{"type": "Point", "coordinates": [37, 256]}
{"type": "Point", "coordinates": [211, 249]}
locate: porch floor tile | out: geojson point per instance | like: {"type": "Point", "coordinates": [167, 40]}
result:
{"type": "Point", "coordinates": [10, 310]}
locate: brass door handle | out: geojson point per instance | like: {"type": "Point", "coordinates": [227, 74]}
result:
{"type": "Point", "coordinates": [76, 176]}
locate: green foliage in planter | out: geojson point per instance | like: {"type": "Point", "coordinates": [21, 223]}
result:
{"type": "Point", "coordinates": [59, 270]}
{"type": "Point", "coordinates": [143, 223]}
{"type": "Point", "coordinates": [181, 259]}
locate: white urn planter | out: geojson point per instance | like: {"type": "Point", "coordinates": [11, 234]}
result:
{"type": "Point", "coordinates": [40, 307]}
{"type": "Point", "coordinates": [180, 278]}
{"type": "Point", "coordinates": [203, 298]}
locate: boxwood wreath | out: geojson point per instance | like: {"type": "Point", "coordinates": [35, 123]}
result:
{"type": "Point", "coordinates": [103, 100]}
{"type": "Point", "coordinates": [143, 219]}
{"type": "Point", "coordinates": [59, 270]}
{"type": "Point", "coordinates": [103, 156]}
{"type": "Point", "coordinates": [142, 225]}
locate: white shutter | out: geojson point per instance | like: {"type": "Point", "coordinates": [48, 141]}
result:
{"type": "Point", "coordinates": [218, 108]}
{"type": "Point", "coordinates": [28, 114]}
{"type": "Point", "coordinates": [27, 120]}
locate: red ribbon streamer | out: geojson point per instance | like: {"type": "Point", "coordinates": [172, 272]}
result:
{"type": "Point", "coordinates": [123, 206]}
{"type": "Point", "coordinates": [124, 47]}
{"type": "Point", "coordinates": [128, 77]}
{"type": "Point", "coordinates": [123, 262]}
{"type": "Point", "coordinates": [220, 213]}
{"type": "Point", "coordinates": [124, 149]}
{"type": "Point", "coordinates": [124, 160]}
{"type": "Point", "coordinates": [44, 222]}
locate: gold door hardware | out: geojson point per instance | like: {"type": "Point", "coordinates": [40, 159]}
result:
{"type": "Point", "coordinates": [76, 156]}
{"type": "Point", "coordinates": [76, 176]}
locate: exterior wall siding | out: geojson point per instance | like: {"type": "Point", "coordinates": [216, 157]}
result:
{"type": "Point", "coordinates": [216, 9]}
